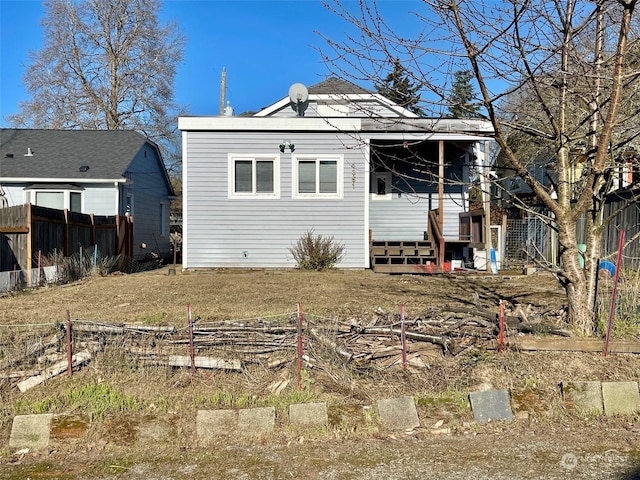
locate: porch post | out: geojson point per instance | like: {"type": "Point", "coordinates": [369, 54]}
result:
{"type": "Point", "coordinates": [441, 201]}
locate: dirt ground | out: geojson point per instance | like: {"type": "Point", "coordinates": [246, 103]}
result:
{"type": "Point", "coordinates": [546, 439]}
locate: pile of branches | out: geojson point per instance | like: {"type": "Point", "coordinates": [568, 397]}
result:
{"type": "Point", "coordinates": [374, 339]}
{"type": "Point", "coordinates": [449, 330]}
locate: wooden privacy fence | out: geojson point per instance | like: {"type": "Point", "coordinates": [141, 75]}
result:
{"type": "Point", "coordinates": [27, 231]}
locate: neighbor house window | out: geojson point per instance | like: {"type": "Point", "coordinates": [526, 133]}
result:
{"type": "Point", "coordinates": [75, 202]}
{"type": "Point", "coordinates": [50, 199]}
{"type": "Point", "coordinates": [163, 219]}
{"type": "Point", "coordinates": [69, 198]}
{"type": "Point", "coordinates": [128, 208]}
{"type": "Point", "coordinates": [317, 176]}
{"type": "Point", "coordinates": [253, 176]}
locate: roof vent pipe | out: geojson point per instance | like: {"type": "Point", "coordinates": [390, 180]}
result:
{"type": "Point", "coordinates": [29, 152]}
{"type": "Point", "coordinates": [228, 110]}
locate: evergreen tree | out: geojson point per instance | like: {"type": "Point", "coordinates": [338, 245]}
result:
{"type": "Point", "coordinates": [462, 95]}
{"type": "Point", "coordinates": [399, 88]}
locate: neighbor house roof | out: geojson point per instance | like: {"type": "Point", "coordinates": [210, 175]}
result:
{"type": "Point", "coordinates": [337, 86]}
{"type": "Point", "coordinates": [66, 154]}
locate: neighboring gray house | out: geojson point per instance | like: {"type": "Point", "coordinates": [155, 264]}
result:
{"type": "Point", "coordinates": [336, 159]}
{"type": "Point", "coordinates": [100, 172]}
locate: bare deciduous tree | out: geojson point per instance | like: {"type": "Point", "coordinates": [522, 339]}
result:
{"type": "Point", "coordinates": [572, 62]}
{"type": "Point", "coordinates": [104, 65]}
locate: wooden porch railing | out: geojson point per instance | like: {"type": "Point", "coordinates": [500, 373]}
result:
{"type": "Point", "coordinates": [435, 235]}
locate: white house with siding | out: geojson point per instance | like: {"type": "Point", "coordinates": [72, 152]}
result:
{"type": "Point", "coordinates": [344, 162]}
{"type": "Point", "coordinates": [100, 172]}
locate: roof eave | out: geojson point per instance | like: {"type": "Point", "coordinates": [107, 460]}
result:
{"type": "Point", "coordinates": [62, 180]}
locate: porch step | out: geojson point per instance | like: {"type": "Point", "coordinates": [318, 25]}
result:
{"type": "Point", "coordinates": [403, 256]}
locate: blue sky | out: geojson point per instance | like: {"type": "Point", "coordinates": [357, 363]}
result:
{"type": "Point", "coordinates": [264, 45]}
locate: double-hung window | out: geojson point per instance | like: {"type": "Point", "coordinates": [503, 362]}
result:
{"type": "Point", "coordinates": [253, 176]}
{"type": "Point", "coordinates": [317, 176]}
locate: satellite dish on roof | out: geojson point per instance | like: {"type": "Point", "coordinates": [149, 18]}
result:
{"type": "Point", "coordinates": [299, 98]}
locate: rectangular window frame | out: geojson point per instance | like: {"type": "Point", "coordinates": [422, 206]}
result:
{"type": "Point", "coordinates": [77, 196]}
{"type": "Point", "coordinates": [254, 159]}
{"type": "Point", "coordinates": [31, 196]}
{"type": "Point", "coordinates": [163, 219]}
{"type": "Point", "coordinates": [317, 159]}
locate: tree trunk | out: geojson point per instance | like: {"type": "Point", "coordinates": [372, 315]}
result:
{"type": "Point", "coordinates": [581, 312]}
{"type": "Point", "coordinates": [580, 280]}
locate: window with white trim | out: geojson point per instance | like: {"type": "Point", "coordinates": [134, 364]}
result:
{"type": "Point", "coordinates": [254, 176]}
{"type": "Point", "coordinates": [318, 176]}
{"type": "Point", "coordinates": [50, 200]}
{"type": "Point", "coordinates": [58, 199]}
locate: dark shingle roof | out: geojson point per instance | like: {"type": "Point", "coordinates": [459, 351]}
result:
{"type": "Point", "coordinates": [337, 86]}
{"type": "Point", "coordinates": [61, 153]}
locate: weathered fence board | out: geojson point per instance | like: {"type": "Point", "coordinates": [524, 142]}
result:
{"type": "Point", "coordinates": [27, 231]}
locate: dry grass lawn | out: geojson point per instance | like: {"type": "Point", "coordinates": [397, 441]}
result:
{"type": "Point", "coordinates": [156, 297]}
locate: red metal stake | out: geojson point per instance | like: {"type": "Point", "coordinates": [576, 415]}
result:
{"type": "Point", "coordinates": [192, 353]}
{"type": "Point", "coordinates": [501, 324]}
{"type": "Point", "coordinates": [614, 293]}
{"type": "Point", "coordinates": [403, 337]}
{"type": "Point", "coordinates": [69, 346]}
{"type": "Point", "coordinates": [300, 351]}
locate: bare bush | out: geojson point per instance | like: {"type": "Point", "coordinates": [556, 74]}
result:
{"type": "Point", "coordinates": [316, 252]}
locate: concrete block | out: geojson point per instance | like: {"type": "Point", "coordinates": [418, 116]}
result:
{"type": "Point", "coordinates": [31, 431]}
{"type": "Point", "coordinates": [583, 396]}
{"type": "Point", "coordinates": [155, 430]}
{"type": "Point", "coordinates": [256, 421]}
{"type": "Point", "coordinates": [308, 414]}
{"type": "Point", "coordinates": [620, 398]}
{"type": "Point", "coordinates": [489, 405]}
{"type": "Point", "coordinates": [214, 424]}
{"type": "Point", "coordinates": [398, 413]}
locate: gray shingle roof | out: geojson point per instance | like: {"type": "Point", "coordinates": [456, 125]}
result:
{"type": "Point", "coordinates": [62, 153]}
{"type": "Point", "coordinates": [337, 86]}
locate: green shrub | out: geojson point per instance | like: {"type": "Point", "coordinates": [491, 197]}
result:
{"type": "Point", "coordinates": [315, 252]}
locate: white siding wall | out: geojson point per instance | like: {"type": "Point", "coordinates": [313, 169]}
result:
{"type": "Point", "coordinates": [219, 230]}
{"type": "Point", "coordinates": [14, 194]}
{"type": "Point", "coordinates": [405, 217]}
{"type": "Point", "coordinates": [100, 199]}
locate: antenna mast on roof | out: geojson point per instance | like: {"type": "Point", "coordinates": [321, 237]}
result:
{"type": "Point", "coordinates": [223, 89]}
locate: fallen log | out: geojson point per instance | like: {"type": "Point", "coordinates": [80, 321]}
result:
{"type": "Point", "coordinates": [89, 327]}
{"type": "Point", "coordinates": [442, 341]}
{"type": "Point", "coordinates": [85, 326]}
{"type": "Point", "coordinates": [19, 374]}
{"type": "Point", "coordinates": [207, 329]}
{"type": "Point", "coordinates": [199, 361]}
{"type": "Point", "coordinates": [149, 328]}
{"type": "Point", "coordinates": [54, 370]}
